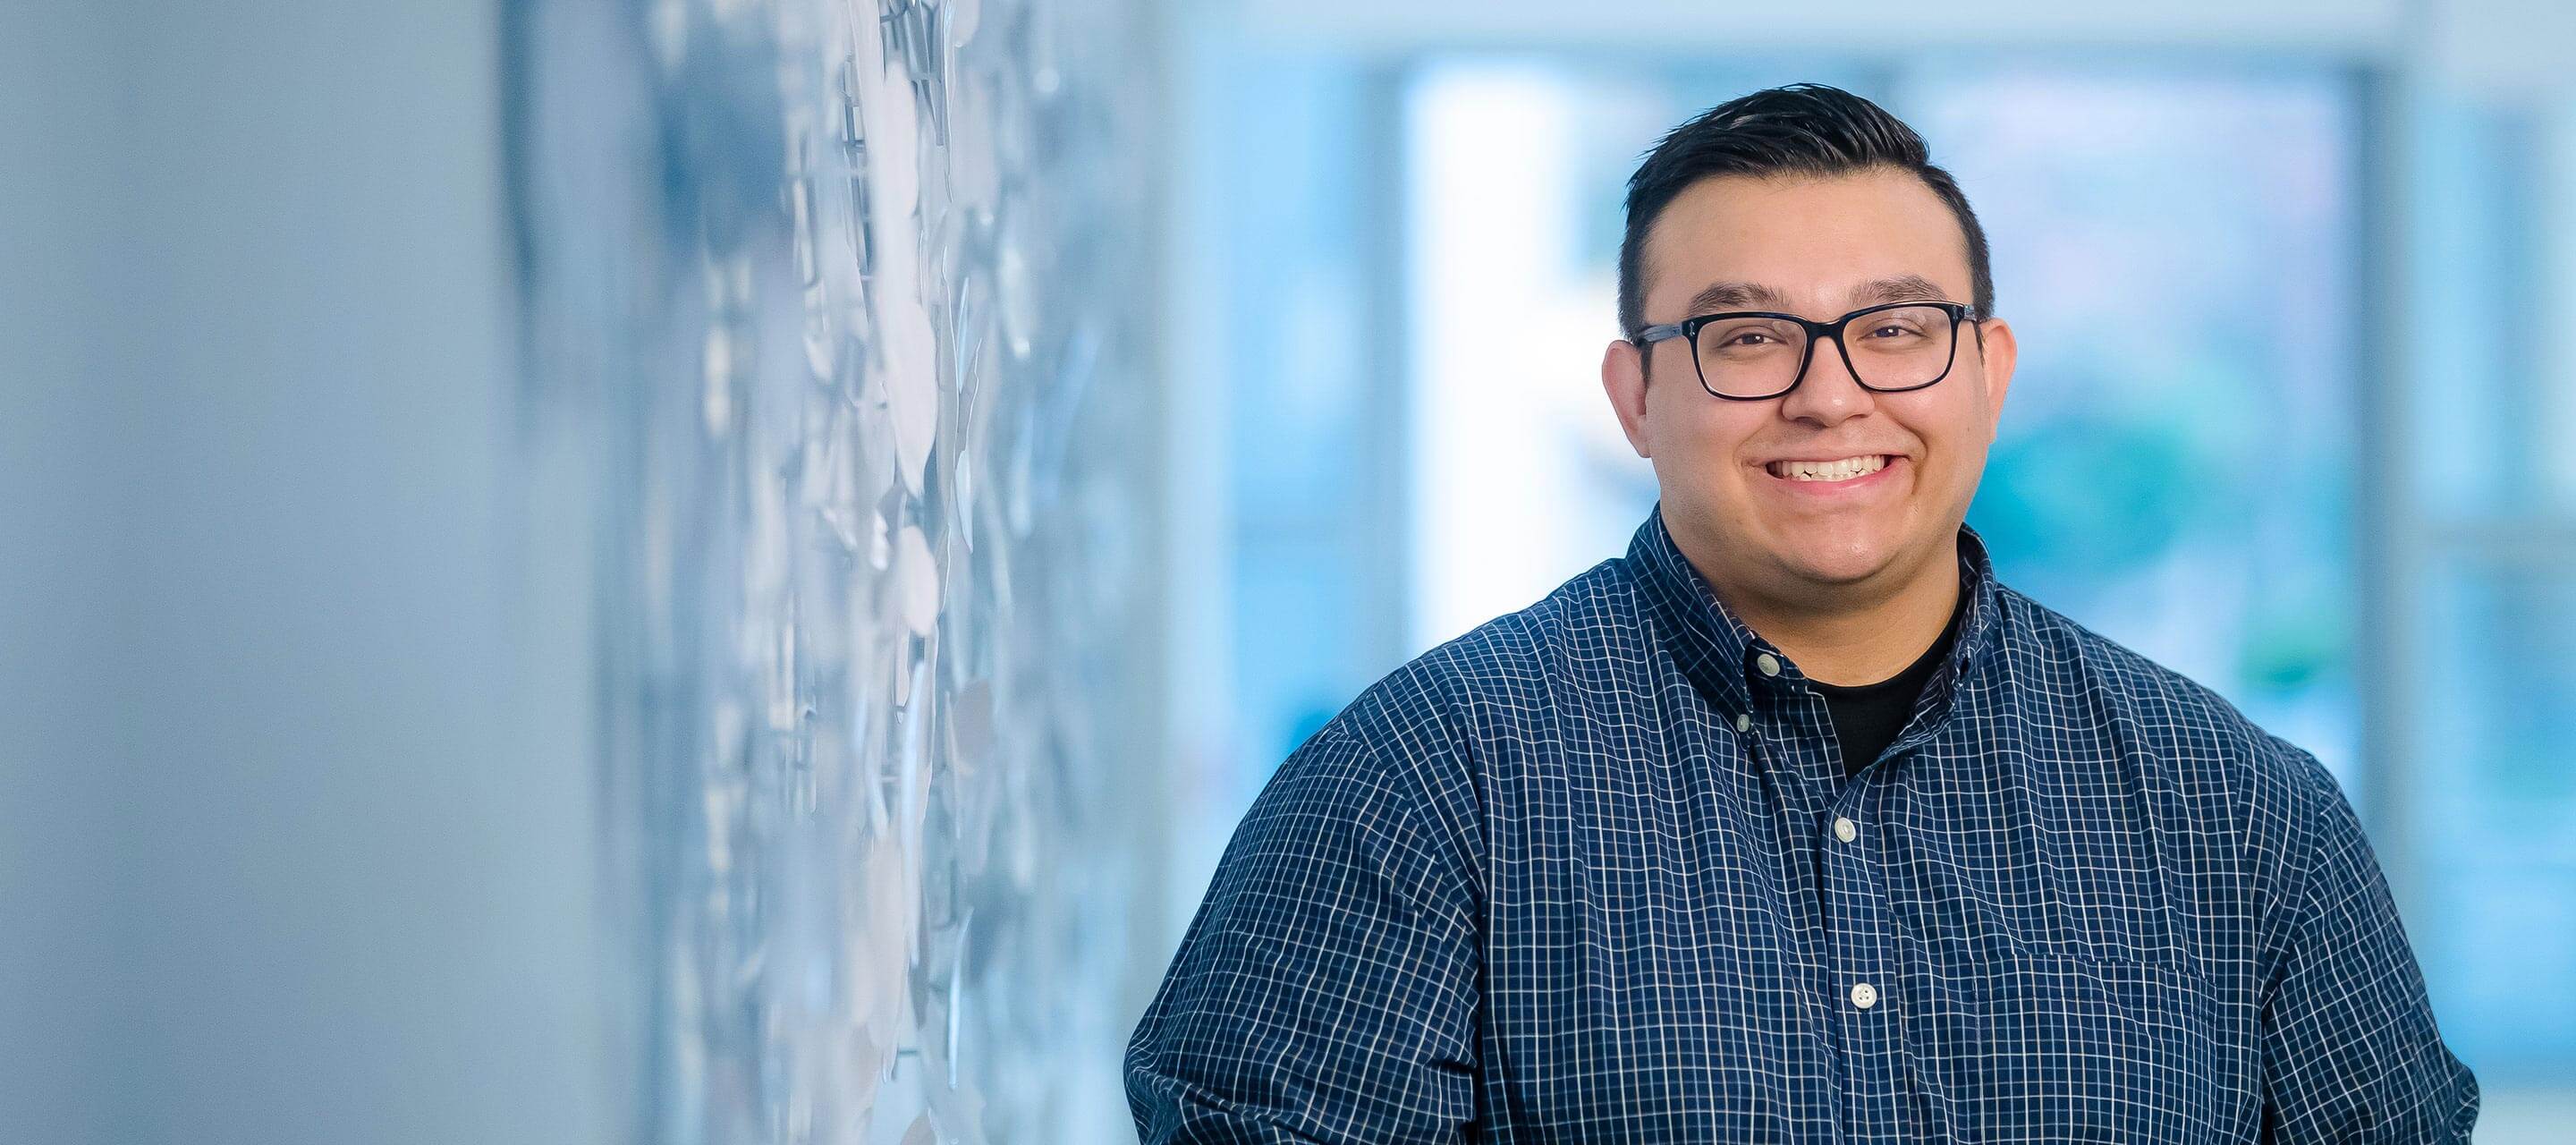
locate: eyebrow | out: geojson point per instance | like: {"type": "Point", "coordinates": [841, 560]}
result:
{"type": "Point", "coordinates": [1719, 296]}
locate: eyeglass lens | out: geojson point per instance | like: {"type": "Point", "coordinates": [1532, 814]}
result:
{"type": "Point", "coordinates": [1889, 349]}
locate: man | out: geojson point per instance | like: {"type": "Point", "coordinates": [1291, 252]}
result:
{"type": "Point", "coordinates": [1794, 825]}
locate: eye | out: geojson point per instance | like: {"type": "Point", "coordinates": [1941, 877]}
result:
{"type": "Point", "coordinates": [1748, 338]}
{"type": "Point", "coordinates": [1891, 330]}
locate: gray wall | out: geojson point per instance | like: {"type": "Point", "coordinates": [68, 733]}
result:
{"type": "Point", "coordinates": [296, 823]}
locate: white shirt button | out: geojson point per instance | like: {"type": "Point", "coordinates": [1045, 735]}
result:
{"type": "Point", "coordinates": [1743, 723]}
{"type": "Point", "coordinates": [1769, 664]}
{"type": "Point", "coordinates": [1845, 830]}
{"type": "Point", "coordinates": [1864, 995]}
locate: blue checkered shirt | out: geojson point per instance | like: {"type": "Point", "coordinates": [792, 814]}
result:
{"type": "Point", "coordinates": [1595, 871]}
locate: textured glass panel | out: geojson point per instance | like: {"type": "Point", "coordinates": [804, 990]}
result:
{"type": "Point", "coordinates": [839, 303]}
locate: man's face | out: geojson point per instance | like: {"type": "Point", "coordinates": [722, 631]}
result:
{"type": "Point", "coordinates": [1818, 248]}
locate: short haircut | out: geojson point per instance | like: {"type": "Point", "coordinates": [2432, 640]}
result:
{"type": "Point", "coordinates": [1802, 129]}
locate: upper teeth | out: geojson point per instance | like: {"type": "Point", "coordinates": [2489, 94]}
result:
{"type": "Point", "coordinates": [1843, 470]}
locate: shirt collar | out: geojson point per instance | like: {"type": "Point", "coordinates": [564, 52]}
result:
{"type": "Point", "coordinates": [1725, 658]}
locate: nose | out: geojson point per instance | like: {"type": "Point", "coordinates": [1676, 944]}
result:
{"type": "Point", "coordinates": [1831, 392]}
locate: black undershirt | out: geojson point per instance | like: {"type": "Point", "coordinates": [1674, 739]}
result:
{"type": "Point", "coordinates": [1867, 717]}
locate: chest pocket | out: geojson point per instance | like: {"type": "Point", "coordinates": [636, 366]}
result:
{"type": "Point", "coordinates": [2015, 1042]}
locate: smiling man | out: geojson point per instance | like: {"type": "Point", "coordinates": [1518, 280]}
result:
{"type": "Point", "coordinates": [1793, 824]}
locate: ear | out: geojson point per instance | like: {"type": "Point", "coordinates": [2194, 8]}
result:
{"type": "Point", "coordinates": [1997, 361]}
{"type": "Point", "coordinates": [1623, 378]}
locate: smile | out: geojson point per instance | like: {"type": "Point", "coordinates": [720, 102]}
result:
{"type": "Point", "coordinates": [1836, 472]}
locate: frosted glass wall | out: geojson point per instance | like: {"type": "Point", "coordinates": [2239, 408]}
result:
{"type": "Point", "coordinates": [842, 305]}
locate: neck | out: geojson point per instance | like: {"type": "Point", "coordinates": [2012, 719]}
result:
{"type": "Point", "coordinates": [1858, 633]}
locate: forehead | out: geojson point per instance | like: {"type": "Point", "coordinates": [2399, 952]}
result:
{"type": "Point", "coordinates": [1811, 239]}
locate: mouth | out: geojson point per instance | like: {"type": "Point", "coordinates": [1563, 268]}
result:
{"type": "Point", "coordinates": [1863, 471]}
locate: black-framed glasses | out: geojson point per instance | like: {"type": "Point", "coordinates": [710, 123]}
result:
{"type": "Point", "coordinates": [1753, 355]}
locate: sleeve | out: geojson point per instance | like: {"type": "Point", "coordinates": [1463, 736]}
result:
{"type": "Point", "coordinates": [2350, 1051]}
{"type": "Point", "coordinates": [1327, 988]}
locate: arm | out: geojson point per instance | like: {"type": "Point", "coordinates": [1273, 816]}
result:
{"type": "Point", "coordinates": [2350, 1052]}
{"type": "Point", "coordinates": [1326, 990]}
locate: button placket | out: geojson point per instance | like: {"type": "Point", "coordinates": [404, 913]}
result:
{"type": "Point", "coordinates": [1867, 1035]}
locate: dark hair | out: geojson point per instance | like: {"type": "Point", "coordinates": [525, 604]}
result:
{"type": "Point", "coordinates": [1802, 129]}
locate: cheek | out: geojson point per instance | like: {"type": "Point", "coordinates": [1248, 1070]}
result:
{"type": "Point", "coordinates": [1955, 459]}
{"type": "Point", "coordinates": [1694, 424]}
{"type": "Point", "coordinates": [1952, 428]}
{"type": "Point", "coordinates": [1702, 463]}
{"type": "Point", "coordinates": [1703, 446]}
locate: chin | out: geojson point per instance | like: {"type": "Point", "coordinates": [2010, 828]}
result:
{"type": "Point", "coordinates": [1835, 560]}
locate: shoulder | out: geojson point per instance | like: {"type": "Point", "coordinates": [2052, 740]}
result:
{"type": "Point", "coordinates": [1483, 680]}
{"type": "Point", "coordinates": [1430, 724]}
{"type": "Point", "coordinates": [2061, 661]}
{"type": "Point", "coordinates": [2275, 796]}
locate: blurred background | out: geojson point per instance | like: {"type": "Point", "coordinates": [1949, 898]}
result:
{"type": "Point", "coordinates": [721, 570]}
